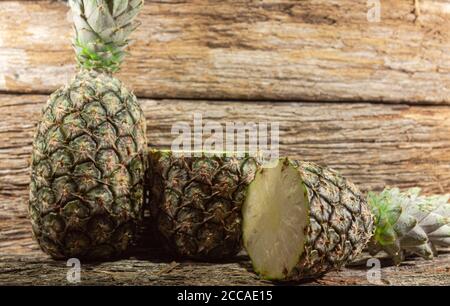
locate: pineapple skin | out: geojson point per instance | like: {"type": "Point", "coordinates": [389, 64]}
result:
{"type": "Point", "coordinates": [195, 202]}
{"type": "Point", "coordinates": [340, 222]}
{"type": "Point", "coordinates": [87, 169]}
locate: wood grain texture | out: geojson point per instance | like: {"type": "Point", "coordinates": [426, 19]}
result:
{"type": "Point", "coordinates": [318, 50]}
{"type": "Point", "coordinates": [373, 144]}
{"type": "Point", "coordinates": [39, 270]}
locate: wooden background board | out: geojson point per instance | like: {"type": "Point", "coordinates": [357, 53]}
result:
{"type": "Point", "coordinates": [317, 50]}
{"type": "Point", "coordinates": [371, 100]}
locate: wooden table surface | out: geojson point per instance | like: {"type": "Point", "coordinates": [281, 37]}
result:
{"type": "Point", "coordinates": [38, 269]}
{"type": "Point", "coordinates": [370, 99]}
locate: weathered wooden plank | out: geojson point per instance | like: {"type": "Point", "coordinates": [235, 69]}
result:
{"type": "Point", "coordinates": [373, 144]}
{"type": "Point", "coordinates": [39, 270]}
{"type": "Point", "coordinates": [258, 50]}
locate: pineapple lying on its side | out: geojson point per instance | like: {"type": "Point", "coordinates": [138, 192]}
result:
{"type": "Point", "coordinates": [196, 202]}
{"type": "Point", "coordinates": [88, 159]}
{"type": "Point", "coordinates": [301, 220]}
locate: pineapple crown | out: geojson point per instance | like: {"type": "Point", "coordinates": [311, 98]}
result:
{"type": "Point", "coordinates": [407, 222]}
{"type": "Point", "coordinates": [102, 28]}
{"type": "Point", "coordinates": [387, 209]}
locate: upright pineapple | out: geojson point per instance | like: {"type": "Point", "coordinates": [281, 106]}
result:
{"type": "Point", "coordinates": [196, 201]}
{"type": "Point", "coordinates": [88, 159]}
{"type": "Point", "coordinates": [301, 220]}
{"type": "Point", "coordinates": [407, 223]}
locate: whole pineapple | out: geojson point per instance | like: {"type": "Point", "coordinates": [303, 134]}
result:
{"type": "Point", "coordinates": [301, 220]}
{"type": "Point", "coordinates": [88, 160]}
{"type": "Point", "coordinates": [196, 201]}
{"type": "Point", "coordinates": [408, 223]}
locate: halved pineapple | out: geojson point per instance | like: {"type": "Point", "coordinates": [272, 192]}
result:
{"type": "Point", "coordinates": [301, 220]}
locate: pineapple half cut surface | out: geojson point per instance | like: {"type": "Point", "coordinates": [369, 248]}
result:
{"type": "Point", "coordinates": [275, 222]}
{"type": "Point", "coordinates": [301, 220]}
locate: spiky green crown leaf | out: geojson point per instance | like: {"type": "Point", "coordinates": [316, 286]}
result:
{"type": "Point", "coordinates": [102, 28]}
{"type": "Point", "coordinates": [409, 223]}
{"type": "Point", "coordinates": [387, 209]}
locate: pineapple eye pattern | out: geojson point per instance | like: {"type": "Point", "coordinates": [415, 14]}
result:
{"type": "Point", "coordinates": [196, 202]}
{"type": "Point", "coordinates": [88, 170]}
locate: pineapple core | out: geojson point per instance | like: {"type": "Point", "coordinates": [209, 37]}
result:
{"type": "Point", "coordinates": [275, 215]}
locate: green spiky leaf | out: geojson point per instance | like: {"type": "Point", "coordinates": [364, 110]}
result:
{"type": "Point", "coordinates": [102, 28]}
{"type": "Point", "coordinates": [407, 222]}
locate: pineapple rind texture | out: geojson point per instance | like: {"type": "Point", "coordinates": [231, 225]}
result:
{"type": "Point", "coordinates": [102, 28]}
{"type": "Point", "coordinates": [409, 223]}
{"type": "Point", "coordinates": [341, 222]}
{"type": "Point", "coordinates": [87, 169]}
{"type": "Point", "coordinates": [196, 202]}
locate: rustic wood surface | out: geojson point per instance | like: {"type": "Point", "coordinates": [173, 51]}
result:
{"type": "Point", "coordinates": [38, 269]}
{"type": "Point", "coordinates": [258, 50]}
{"type": "Point", "coordinates": [369, 99]}
{"type": "Point", "coordinates": [372, 144]}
